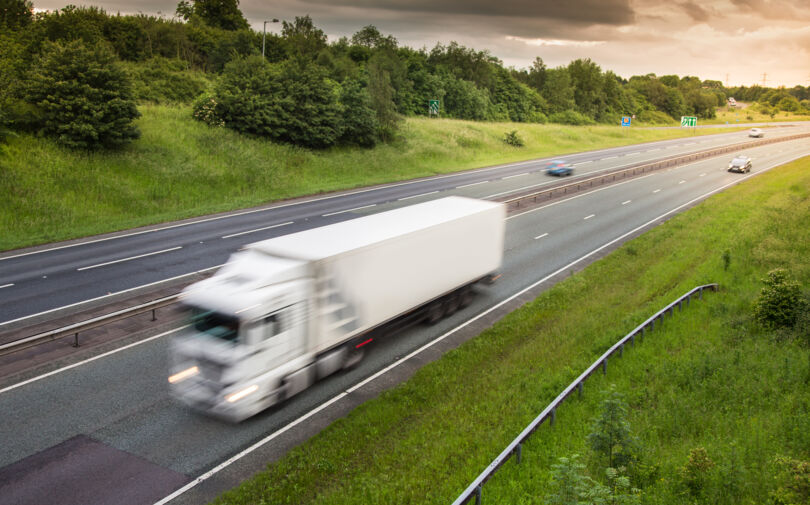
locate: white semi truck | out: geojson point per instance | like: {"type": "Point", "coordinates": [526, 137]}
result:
{"type": "Point", "coordinates": [287, 311]}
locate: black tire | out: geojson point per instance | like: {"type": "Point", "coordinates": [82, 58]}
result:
{"type": "Point", "coordinates": [435, 312]}
{"type": "Point", "coordinates": [452, 304]}
{"type": "Point", "coordinates": [465, 297]}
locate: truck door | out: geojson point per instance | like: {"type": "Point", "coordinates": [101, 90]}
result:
{"type": "Point", "coordinates": [283, 336]}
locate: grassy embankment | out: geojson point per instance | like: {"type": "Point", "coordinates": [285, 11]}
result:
{"type": "Point", "coordinates": [733, 115]}
{"type": "Point", "coordinates": [181, 168]}
{"type": "Point", "coordinates": [711, 378]}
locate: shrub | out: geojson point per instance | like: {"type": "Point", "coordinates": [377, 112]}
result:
{"type": "Point", "coordinates": [83, 95]}
{"type": "Point", "coordinates": [205, 109]}
{"type": "Point", "coordinates": [780, 302]}
{"type": "Point", "coordinates": [513, 139]}
{"type": "Point", "coordinates": [694, 473]}
{"type": "Point", "coordinates": [793, 479]}
{"type": "Point", "coordinates": [610, 435]}
{"type": "Point", "coordinates": [571, 117]}
{"type": "Point", "coordinates": [162, 80]}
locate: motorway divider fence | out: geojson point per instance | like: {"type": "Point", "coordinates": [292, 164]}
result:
{"type": "Point", "coordinates": [475, 489]}
{"type": "Point", "coordinates": [76, 328]}
{"type": "Point", "coordinates": [642, 168]}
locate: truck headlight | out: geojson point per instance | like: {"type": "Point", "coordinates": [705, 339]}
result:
{"type": "Point", "coordinates": [185, 374]}
{"type": "Point", "coordinates": [235, 397]}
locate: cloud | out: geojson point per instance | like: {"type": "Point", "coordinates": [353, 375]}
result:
{"type": "Point", "coordinates": [611, 12]}
{"type": "Point", "coordinates": [695, 11]}
{"type": "Point", "coordinates": [793, 10]}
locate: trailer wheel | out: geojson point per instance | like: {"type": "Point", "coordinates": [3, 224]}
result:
{"type": "Point", "coordinates": [353, 356]}
{"type": "Point", "coordinates": [435, 312]}
{"type": "Point", "coordinates": [452, 304]}
{"type": "Point", "coordinates": [465, 297]}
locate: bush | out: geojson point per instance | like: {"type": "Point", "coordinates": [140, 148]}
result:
{"type": "Point", "coordinates": [780, 302]}
{"type": "Point", "coordinates": [694, 473]}
{"type": "Point", "coordinates": [793, 478]}
{"type": "Point", "coordinates": [610, 434]}
{"type": "Point", "coordinates": [571, 117]}
{"type": "Point", "coordinates": [513, 139]}
{"type": "Point", "coordinates": [205, 109]}
{"type": "Point", "coordinates": [360, 124]}
{"type": "Point", "coordinates": [83, 96]}
{"type": "Point", "coordinates": [162, 80]}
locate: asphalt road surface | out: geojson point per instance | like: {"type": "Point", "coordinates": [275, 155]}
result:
{"type": "Point", "coordinates": [62, 431]}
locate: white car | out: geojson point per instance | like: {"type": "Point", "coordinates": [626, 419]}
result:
{"type": "Point", "coordinates": [756, 132]}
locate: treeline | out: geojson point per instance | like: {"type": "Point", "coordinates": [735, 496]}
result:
{"type": "Point", "coordinates": [296, 86]}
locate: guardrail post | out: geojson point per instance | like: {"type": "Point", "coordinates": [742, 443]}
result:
{"type": "Point", "coordinates": [478, 495]}
{"type": "Point", "coordinates": [652, 324]}
{"type": "Point", "coordinates": [621, 350]}
{"type": "Point", "coordinates": [680, 305]}
{"type": "Point", "coordinates": [633, 338]}
{"type": "Point", "coordinates": [519, 450]}
{"type": "Point", "coordinates": [700, 292]}
{"type": "Point", "coordinates": [553, 416]}
{"type": "Point", "coordinates": [76, 340]}
{"type": "Point", "coordinates": [579, 388]}
{"type": "Point", "coordinates": [154, 318]}
{"type": "Point", "coordinates": [604, 367]}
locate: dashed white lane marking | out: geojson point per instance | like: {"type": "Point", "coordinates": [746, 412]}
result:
{"type": "Point", "coordinates": [412, 196]}
{"type": "Point", "coordinates": [6, 285]}
{"type": "Point", "coordinates": [609, 158]}
{"type": "Point", "coordinates": [258, 229]}
{"type": "Point", "coordinates": [682, 181]}
{"type": "Point", "coordinates": [473, 184]}
{"type": "Point", "coordinates": [351, 210]}
{"type": "Point", "coordinates": [582, 163]}
{"type": "Point", "coordinates": [626, 202]}
{"type": "Point", "coordinates": [541, 236]}
{"type": "Point", "coordinates": [130, 258]}
{"type": "Point", "coordinates": [656, 191]}
{"type": "Point", "coordinates": [703, 174]}
{"type": "Point", "coordinates": [513, 176]}
{"type": "Point", "coordinates": [588, 217]}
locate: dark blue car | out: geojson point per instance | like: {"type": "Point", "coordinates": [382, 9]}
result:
{"type": "Point", "coordinates": [559, 168]}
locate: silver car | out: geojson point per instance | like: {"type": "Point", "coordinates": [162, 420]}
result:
{"type": "Point", "coordinates": [740, 164]}
{"type": "Point", "coordinates": [756, 132]}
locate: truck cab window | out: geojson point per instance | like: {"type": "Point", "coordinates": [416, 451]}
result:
{"type": "Point", "coordinates": [273, 325]}
{"type": "Point", "coordinates": [216, 325]}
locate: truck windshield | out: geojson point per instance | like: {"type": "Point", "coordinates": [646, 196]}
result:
{"type": "Point", "coordinates": [217, 325]}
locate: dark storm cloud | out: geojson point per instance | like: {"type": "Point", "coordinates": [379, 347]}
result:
{"type": "Point", "coordinates": [611, 12]}
{"type": "Point", "coordinates": [696, 12]}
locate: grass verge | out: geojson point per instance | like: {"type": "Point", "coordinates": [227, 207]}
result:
{"type": "Point", "coordinates": [181, 168]}
{"type": "Point", "coordinates": [710, 379]}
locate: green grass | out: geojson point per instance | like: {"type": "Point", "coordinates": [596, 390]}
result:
{"type": "Point", "coordinates": [181, 168]}
{"type": "Point", "coordinates": [732, 115]}
{"type": "Point", "coordinates": [710, 379]}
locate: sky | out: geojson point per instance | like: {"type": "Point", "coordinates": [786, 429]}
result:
{"type": "Point", "coordinates": [737, 42]}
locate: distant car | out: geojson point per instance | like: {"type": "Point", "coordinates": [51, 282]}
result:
{"type": "Point", "coordinates": [756, 132]}
{"type": "Point", "coordinates": [559, 168]}
{"type": "Point", "coordinates": [740, 164]}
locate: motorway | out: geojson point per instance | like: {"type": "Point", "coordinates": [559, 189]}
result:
{"type": "Point", "coordinates": [117, 409]}
{"type": "Point", "coordinates": [45, 279]}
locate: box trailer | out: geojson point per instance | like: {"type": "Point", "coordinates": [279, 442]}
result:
{"type": "Point", "coordinates": [287, 311]}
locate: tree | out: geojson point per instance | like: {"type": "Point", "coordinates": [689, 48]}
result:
{"type": "Point", "coordinates": [304, 40]}
{"type": "Point", "coordinates": [223, 14]}
{"type": "Point", "coordinates": [610, 432]}
{"type": "Point", "coordinates": [83, 95]}
{"type": "Point", "coordinates": [280, 101]}
{"type": "Point", "coordinates": [382, 98]}
{"type": "Point", "coordinates": [360, 126]}
{"type": "Point", "coordinates": [16, 14]}
{"type": "Point", "coordinates": [780, 302]}
{"type": "Point", "coordinates": [370, 37]}
{"type": "Point", "coordinates": [558, 92]}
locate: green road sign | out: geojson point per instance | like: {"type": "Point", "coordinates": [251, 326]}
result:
{"type": "Point", "coordinates": [688, 121]}
{"type": "Point", "coordinates": [433, 107]}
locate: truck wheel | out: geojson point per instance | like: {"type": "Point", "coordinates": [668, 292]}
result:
{"type": "Point", "coordinates": [353, 357]}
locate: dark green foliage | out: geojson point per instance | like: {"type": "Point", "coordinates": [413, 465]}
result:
{"type": "Point", "coordinates": [610, 435]}
{"type": "Point", "coordinates": [780, 302]}
{"type": "Point", "coordinates": [793, 481]}
{"type": "Point", "coordinates": [222, 14]}
{"type": "Point", "coordinates": [15, 14]}
{"type": "Point", "coordinates": [304, 39]}
{"type": "Point", "coordinates": [205, 109]}
{"type": "Point", "coordinates": [463, 100]}
{"type": "Point", "coordinates": [84, 97]}
{"type": "Point", "coordinates": [571, 117]}
{"type": "Point", "coordinates": [513, 139]}
{"type": "Point", "coordinates": [283, 102]}
{"type": "Point", "coordinates": [360, 126]}
{"type": "Point", "coordinates": [382, 98]}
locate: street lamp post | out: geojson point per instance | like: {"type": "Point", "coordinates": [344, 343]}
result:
{"type": "Point", "coordinates": [264, 32]}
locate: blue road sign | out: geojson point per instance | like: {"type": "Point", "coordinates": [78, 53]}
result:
{"type": "Point", "coordinates": [625, 120]}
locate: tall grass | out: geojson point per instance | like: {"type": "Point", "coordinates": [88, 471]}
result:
{"type": "Point", "coordinates": [182, 168]}
{"type": "Point", "coordinates": [710, 379]}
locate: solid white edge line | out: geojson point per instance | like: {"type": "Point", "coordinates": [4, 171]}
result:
{"type": "Point", "coordinates": [257, 229]}
{"type": "Point", "coordinates": [413, 196]}
{"type": "Point", "coordinates": [626, 202]}
{"type": "Point", "coordinates": [472, 184]}
{"type": "Point", "coordinates": [588, 217]}
{"type": "Point", "coordinates": [541, 236]}
{"type": "Point", "coordinates": [309, 414]}
{"type": "Point", "coordinates": [108, 295]}
{"type": "Point", "coordinates": [348, 210]}
{"type": "Point", "coordinates": [7, 285]}
{"type": "Point", "coordinates": [103, 355]}
{"type": "Point", "coordinates": [129, 259]}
